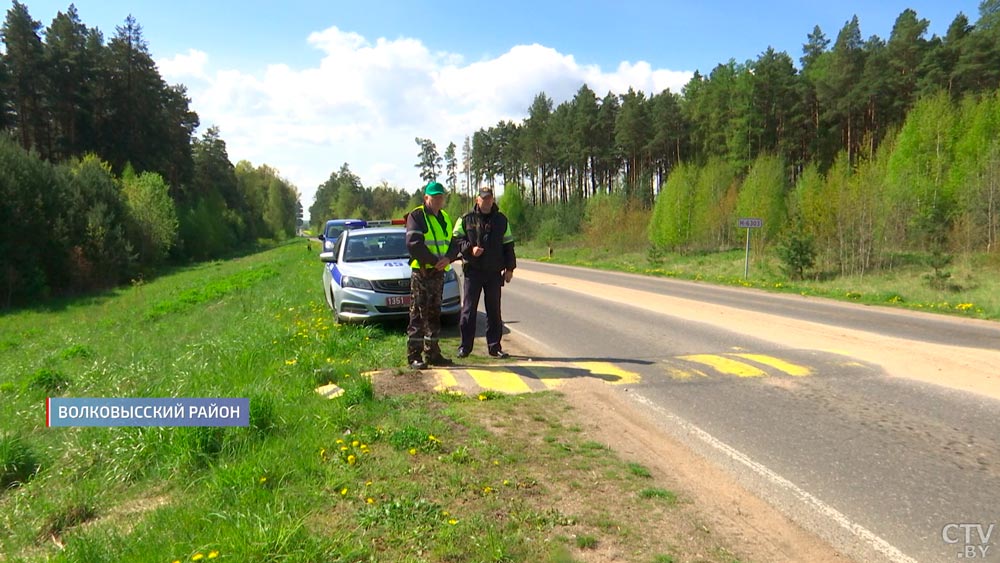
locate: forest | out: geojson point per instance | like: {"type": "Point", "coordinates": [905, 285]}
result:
{"type": "Point", "coordinates": [102, 180]}
{"type": "Point", "coordinates": [858, 153]}
{"type": "Point", "coordinates": [868, 150]}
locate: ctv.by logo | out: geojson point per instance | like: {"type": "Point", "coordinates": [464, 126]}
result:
{"type": "Point", "coordinates": [974, 539]}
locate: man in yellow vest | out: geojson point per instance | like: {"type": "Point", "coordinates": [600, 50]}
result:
{"type": "Point", "coordinates": [428, 239]}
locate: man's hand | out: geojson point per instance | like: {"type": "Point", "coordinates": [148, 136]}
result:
{"type": "Point", "coordinates": [507, 275]}
{"type": "Point", "coordinates": [442, 263]}
{"type": "Point", "coordinates": [478, 251]}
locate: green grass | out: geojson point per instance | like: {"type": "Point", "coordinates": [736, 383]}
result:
{"type": "Point", "coordinates": [973, 289]}
{"type": "Point", "coordinates": [360, 478]}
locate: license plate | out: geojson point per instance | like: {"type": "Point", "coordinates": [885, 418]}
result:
{"type": "Point", "coordinates": [397, 300]}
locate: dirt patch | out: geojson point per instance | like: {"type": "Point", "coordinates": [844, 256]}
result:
{"type": "Point", "coordinates": [392, 382]}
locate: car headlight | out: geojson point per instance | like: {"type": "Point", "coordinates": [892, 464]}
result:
{"type": "Point", "coordinates": [356, 282]}
{"type": "Point", "coordinates": [450, 276]}
{"type": "Point", "coordinates": [328, 245]}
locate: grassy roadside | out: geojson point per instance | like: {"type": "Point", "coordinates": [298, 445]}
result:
{"type": "Point", "coordinates": [369, 476]}
{"type": "Point", "coordinates": [973, 288]}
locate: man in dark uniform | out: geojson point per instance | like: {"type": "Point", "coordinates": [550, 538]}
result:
{"type": "Point", "coordinates": [428, 239]}
{"type": "Point", "coordinates": [487, 245]}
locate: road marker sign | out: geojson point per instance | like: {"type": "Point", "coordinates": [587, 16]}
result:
{"type": "Point", "coordinates": [749, 223]}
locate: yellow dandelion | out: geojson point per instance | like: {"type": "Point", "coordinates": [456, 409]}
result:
{"type": "Point", "coordinates": [351, 459]}
{"type": "Point", "coordinates": [355, 444]}
{"type": "Point", "coordinates": [343, 448]}
{"type": "Point", "coordinates": [176, 561]}
{"type": "Point", "coordinates": [487, 490]}
{"type": "Point", "coordinates": [329, 360]}
{"type": "Point", "coordinates": [322, 453]}
{"type": "Point", "coordinates": [197, 557]}
{"type": "Point", "coordinates": [368, 483]}
{"type": "Point", "coordinates": [431, 438]}
{"type": "Point", "coordinates": [445, 513]}
{"type": "Point", "coordinates": [506, 483]}
{"type": "Point", "coordinates": [482, 397]}
{"type": "Point", "coordinates": [291, 362]}
{"type": "Point", "coordinates": [213, 554]}
{"type": "Point", "coordinates": [495, 462]}
{"type": "Point", "coordinates": [262, 480]}
{"type": "Point", "coordinates": [370, 500]}
{"type": "Point", "coordinates": [340, 441]}
{"type": "Point", "coordinates": [453, 521]}
{"type": "Point", "coordinates": [343, 492]}
{"type": "Point", "coordinates": [413, 451]}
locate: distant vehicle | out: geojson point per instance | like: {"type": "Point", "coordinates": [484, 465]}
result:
{"type": "Point", "coordinates": [367, 277]}
{"type": "Point", "coordinates": [334, 227]}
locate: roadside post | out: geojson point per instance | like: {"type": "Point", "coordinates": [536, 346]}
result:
{"type": "Point", "coordinates": [749, 223]}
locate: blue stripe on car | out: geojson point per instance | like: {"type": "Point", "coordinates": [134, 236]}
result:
{"type": "Point", "coordinates": [337, 274]}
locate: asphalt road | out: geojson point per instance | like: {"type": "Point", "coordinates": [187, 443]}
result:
{"type": "Point", "coordinates": [884, 467]}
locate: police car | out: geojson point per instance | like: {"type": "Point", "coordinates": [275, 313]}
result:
{"type": "Point", "coordinates": [334, 227]}
{"type": "Point", "coordinates": [367, 277]}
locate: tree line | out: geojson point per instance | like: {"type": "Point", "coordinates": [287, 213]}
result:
{"type": "Point", "coordinates": [103, 178]}
{"type": "Point", "coordinates": [869, 147]}
{"type": "Point", "coordinates": [343, 196]}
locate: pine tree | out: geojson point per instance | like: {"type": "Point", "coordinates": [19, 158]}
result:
{"type": "Point", "coordinates": [25, 64]}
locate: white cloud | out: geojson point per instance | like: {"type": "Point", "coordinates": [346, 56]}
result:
{"type": "Point", "coordinates": [188, 65]}
{"type": "Point", "coordinates": [366, 102]}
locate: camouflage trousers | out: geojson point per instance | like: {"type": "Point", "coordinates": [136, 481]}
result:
{"type": "Point", "coordinates": [426, 287]}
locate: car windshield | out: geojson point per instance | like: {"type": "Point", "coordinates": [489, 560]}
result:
{"type": "Point", "coordinates": [384, 246]}
{"type": "Point", "coordinates": [333, 231]}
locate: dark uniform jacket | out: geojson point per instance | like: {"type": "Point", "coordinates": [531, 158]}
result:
{"type": "Point", "coordinates": [490, 231]}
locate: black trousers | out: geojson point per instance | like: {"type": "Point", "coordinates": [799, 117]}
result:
{"type": "Point", "coordinates": [488, 284]}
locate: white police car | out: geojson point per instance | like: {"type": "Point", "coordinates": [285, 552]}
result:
{"type": "Point", "coordinates": [367, 277]}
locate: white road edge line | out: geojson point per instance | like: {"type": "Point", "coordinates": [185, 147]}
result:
{"type": "Point", "coordinates": [859, 531]}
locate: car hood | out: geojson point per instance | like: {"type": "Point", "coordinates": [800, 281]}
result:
{"type": "Point", "coordinates": [392, 269]}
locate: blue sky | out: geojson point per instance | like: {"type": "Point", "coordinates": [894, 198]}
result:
{"type": "Point", "coordinates": [305, 86]}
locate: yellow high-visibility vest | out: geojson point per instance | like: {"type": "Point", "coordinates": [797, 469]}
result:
{"type": "Point", "coordinates": [436, 239]}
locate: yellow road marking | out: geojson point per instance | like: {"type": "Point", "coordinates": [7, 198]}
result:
{"type": "Point", "coordinates": [330, 391]}
{"type": "Point", "coordinates": [777, 363]}
{"type": "Point", "coordinates": [725, 365]}
{"type": "Point", "coordinates": [551, 377]}
{"type": "Point", "coordinates": [607, 368]}
{"type": "Point", "coordinates": [446, 381]}
{"type": "Point", "coordinates": [678, 373]}
{"type": "Point", "coordinates": [502, 381]}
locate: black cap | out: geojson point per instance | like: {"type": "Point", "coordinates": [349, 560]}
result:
{"type": "Point", "coordinates": [485, 191]}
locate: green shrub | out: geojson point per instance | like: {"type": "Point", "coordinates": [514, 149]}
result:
{"type": "Point", "coordinates": [798, 254]}
{"type": "Point", "coordinates": [48, 381]}
{"type": "Point", "coordinates": [18, 463]}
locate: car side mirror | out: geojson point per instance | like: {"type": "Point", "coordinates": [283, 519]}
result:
{"type": "Point", "coordinates": [321, 237]}
{"type": "Point", "coordinates": [328, 256]}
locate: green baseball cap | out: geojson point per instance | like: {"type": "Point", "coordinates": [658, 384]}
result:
{"type": "Point", "coordinates": [433, 188]}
